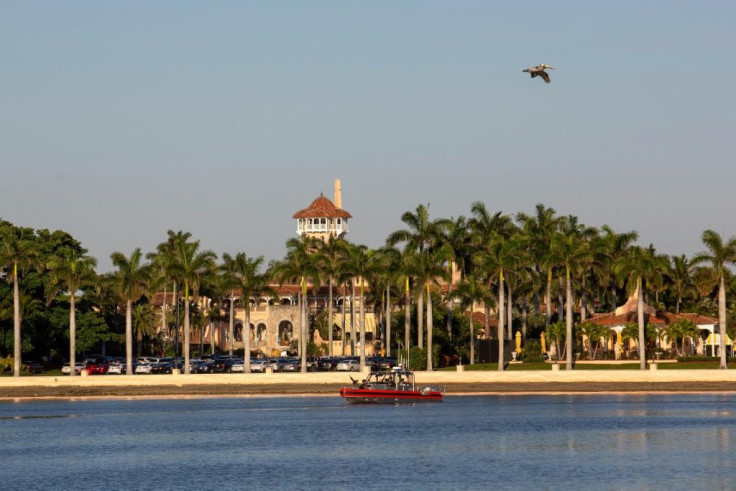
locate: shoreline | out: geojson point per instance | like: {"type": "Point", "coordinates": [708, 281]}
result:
{"type": "Point", "coordinates": [328, 384]}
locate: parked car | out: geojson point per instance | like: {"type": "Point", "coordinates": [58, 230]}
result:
{"type": "Point", "coordinates": [97, 365]}
{"type": "Point", "coordinates": [143, 368]}
{"type": "Point", "coordinates": [348, 365]}
{"type": "Point", "coordinates": [277, 364]}
{"type": "Point", "coordinates": [33, 367]}
{"type": "Point", "coordinates": [204, 366]}
{"type": "Point", "coordinates": [162, 367]}
{"type": "Point", "coordinates": [259, 365]}
{"type": "Point", "coordinates": [224, 364]}
{"type": "Point", "coordinates": [78, 367]}
{"type": "Point", "coordinates": [327, 364]}
{"type": "Point", "coordinates": [294, 365]}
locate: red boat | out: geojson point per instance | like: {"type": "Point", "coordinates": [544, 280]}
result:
{"type": "Point", "coordinates": [396, 386]}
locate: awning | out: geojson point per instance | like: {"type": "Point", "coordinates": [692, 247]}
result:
{"type": "Point", "coordinates": [370, 322]}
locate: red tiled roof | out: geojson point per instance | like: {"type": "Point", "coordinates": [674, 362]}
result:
{"type": "Point", "coordinates": [660, 318]}
{"type": "Point", "coordinates": [322, 208]}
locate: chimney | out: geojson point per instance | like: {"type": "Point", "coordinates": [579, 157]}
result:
{"type": "Point", "coordinates": [338, 194]}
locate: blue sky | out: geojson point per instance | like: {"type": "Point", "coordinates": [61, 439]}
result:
{"type": "Point", "coordinates": [122, 120]}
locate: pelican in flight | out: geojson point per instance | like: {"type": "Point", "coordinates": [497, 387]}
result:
{"type": "Point", "coordinates": [539, 71]}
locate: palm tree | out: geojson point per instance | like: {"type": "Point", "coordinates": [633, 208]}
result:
{"type": "Point", "coordinates": [569, 250]}
{"type": "Point", "coordinates": [72, 272]}
{"type": "Point", "coordinates": [429, 269]}
{"type": "Point", "coordinates": [130, 283]}
{"type": "Point", "coordinates": [540, 228]}
{"type": "Point", "coordinates": [611, 247]}
{"type": "Point", "coordinates": [719, 254]}
{"type": "Point", "coordinates": [251, 283]}
{"type": "Point", "coordinates": [19, 252]}
{"type": "Point", "coordinates": [557, 331]}
{"type": "Point", "coordinates": [680, 275]}
{"type": "Point", "coordinates": [638, 266]}
{"type": "Point", "coordinates": [682, 329]}
{"type": "Point", "coordinates": [143, 323]}
{"type": "Point", "coordinates": [228, 270]}
{"type": "Point", "coordinates": [330, 255]}
{"type": "Point", "coordinates": [163, 260]}
{"type": "Point", "coordinates": [359, 263]}
{"type": "Point", "coordinates": [472, 290]}
{"type": "Point", "coordinates": [299, 266]}
{"type": "Point", "coordinates": [189, 264]}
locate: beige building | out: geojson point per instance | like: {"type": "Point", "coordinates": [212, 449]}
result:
{"type": "Point", "coordinates": [274, 321]}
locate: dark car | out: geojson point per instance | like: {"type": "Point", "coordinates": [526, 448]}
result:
{"type": "Point", "coordinates": [224, 364]}
{"type": "Point", "coordinates": [33, 367]}
{"type": "Point", "coordinates": [327, 364]}
{"type": "Point", "coordinates": [162, 367]}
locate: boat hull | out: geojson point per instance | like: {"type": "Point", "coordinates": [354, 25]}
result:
{"type": "Point", "coordinates": [389, 396]}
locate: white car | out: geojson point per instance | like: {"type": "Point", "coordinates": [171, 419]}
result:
{"type": "Point", "coordinates": [143, 368]}
{"type": "Point", "coordinates": [255, 366]}
{"type": "Point", "coordinates": [348, 366]}
{"type": "Point", "coordinates": [67, 368]}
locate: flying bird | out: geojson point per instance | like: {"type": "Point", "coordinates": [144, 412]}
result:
{"type": "Point", "coordinates": [539, 71]}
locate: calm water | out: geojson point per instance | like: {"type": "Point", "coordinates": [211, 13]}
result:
{"type": "Point", "coordinates": [511, 442]}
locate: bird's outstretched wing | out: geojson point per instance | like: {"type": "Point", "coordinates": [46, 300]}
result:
{"type": "Point", "coordinates": [544, 76]}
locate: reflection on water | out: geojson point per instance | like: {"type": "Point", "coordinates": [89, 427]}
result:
{"type": "Point", "coordinates": [507, 442]}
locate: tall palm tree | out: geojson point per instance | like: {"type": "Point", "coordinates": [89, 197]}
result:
{"type": "Point", "coordinates": [638, 266]}
{"type": "Point", "coordinates": [611, 248]}
{"type": "Point", "coordinates": [252, 283]}
{"type": "Point", "coordinates": [540, 228]}
{"type": "Point", "coordinates": [72, 272]}
{"type": "Point", "coordinates": [330, 254]}
{"type": "Point", "coordinates": [719, 254]}
{"type": "Point", "coordinates": [680, 274]}
{"type": "Point", "coordinates": [228, 271]}
{"type": "Point", "coordinates": [472, 290]}
{"type": "Point", "coordinates": [131, 280]}
{"type": "Point", "coordinates": [164, 262]}
{"type": "Point", "coordinates": [359, 263]}
{"type": "Point", "coordinates": [430, 270]}
{"type": "Point", "coordinates": [190, 264]}
{"type": "Point", "coordinates": [569, 250]}
{"type": "Point", "coordinates": [19, 252]}
{"type": "Point", "coordinates": [143, 323]}
{"type": "Point", "coordinates": [299, 266]}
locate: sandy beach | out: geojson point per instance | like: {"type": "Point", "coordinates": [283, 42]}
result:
{"type": "Point", "coordinates": [279, 384]}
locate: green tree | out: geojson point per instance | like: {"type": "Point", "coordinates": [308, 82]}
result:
{"type": "Point", "coordinates": [18, 253]}
{"type": "Point", "coordinates": [71, 273]}
{"type": "Point", "coordinates": [130, 282]}
{"type": "Point", "coordinates": [719, 254]}
{"type": "Point", "coordinates": [189, 265]}
{"type": "Point", "coordinates": [638, 266]}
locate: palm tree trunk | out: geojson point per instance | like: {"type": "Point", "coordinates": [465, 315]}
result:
{"type": "Point", "coordinates": [362, 324]}
{"type": "Point", "coordinates": [352, 317]}
{"type": "Point", "coordinates": [388, 321]}
{"type": "Point", "coordinates": [344, 318]}
{"type": "Point", "coordinates": [420, 319]}
{"type": "Point", "coordinates": [246, 351]}
{"type": "Point", "coordinates": [72, 334]}
{"type": "Point", "coordinates": [472, 334]}
{"type": "Point", "coordinates": [16, 324]}
{"type": "Point", "coordinates": [231, 327]}
{"type": "Point", "coordinates": [429, 330]}
{"type": "Point", "coordinates": [722, 322]}
{"type": "Point", "coordinates": [510, 314]}
{"type": "Point", "coordinates": [501, 307]}
{"type": "Point", "coordinates": [568, 320]}
{"type": "Point", "coordinates": [548, 299]}
{"type": "Point", "coordinates": [524, 314]}
{"type": "Point", "coordinates": [186, 328]}
{"type": "Point", "coordinates": [582, 302]}
{"type": "Point", "coordinates": [407, 319]}
{"type": "Point", "coordinates": [329, 321]}
{"type": "Point", "coordinates": [640, 319]}
{"type": "Point", "coordinates": [128, 337]}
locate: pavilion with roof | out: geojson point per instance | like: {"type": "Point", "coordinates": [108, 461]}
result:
{"type": "Point", "coordinates": [707, 342]}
